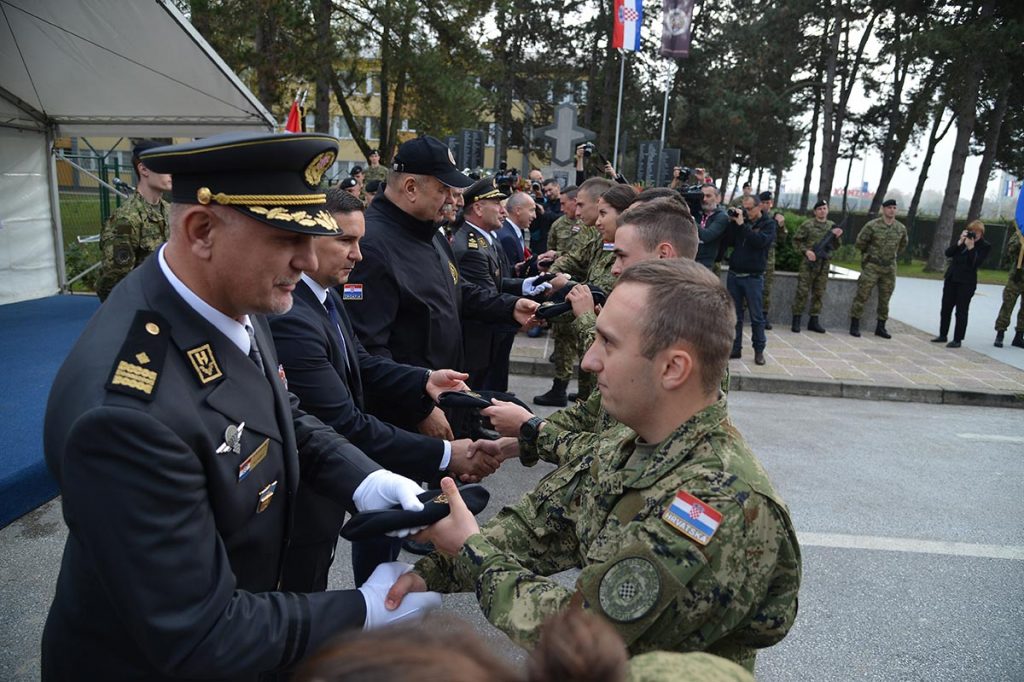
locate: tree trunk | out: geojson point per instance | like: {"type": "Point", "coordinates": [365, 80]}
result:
{"type": "Point", "coordinates": [933, 139]}
{"type": "Point", "coordinates": [989, 155]}
{"type": "Point", "coordinates": [965, 117]}
{"type": "Point", "coordinates": [812, 147]}
{"type": "Point", "coordinates": [778, 186]}
{"type": "Point", "coordinates": [325, 59]}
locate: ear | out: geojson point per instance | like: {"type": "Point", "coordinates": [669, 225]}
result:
{"type": "Point", "coordinates": [666, 251]}
{"type": "Point", "coordinates": [198, 227]}
{"type": "Point", "coordinates": [408, 188]}
{"type": "Point", "coordinates": [677, 367]}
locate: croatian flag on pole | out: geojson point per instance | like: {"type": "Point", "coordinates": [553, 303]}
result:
{"type": "Point", "coordinates": [627, 16]}
{"type": "Point", "coordinates": [692, 517]}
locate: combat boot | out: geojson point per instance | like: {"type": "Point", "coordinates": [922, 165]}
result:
{"type": "Point", "coordinates": [999, 340]}
{"type": "Point", "coordinates": [814, 326]}
{"type": "Point", "coordinates": [767, 325]}
{"type": "Point", "coordinates": [795, 327]}
{"type": "Point", "coordinates": [1018, 340]}
{"type": "Point", "coordinates": [555, 397]}
{"type": "Point", "coordinates": [880, 330]}
{"type": "Point", "coordinates": [854, 326]}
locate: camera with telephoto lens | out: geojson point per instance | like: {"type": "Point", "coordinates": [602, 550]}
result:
{"type": "Point", "coordinates": [507, 178]}
{"type": "Point", "coordinates": [588, 148]}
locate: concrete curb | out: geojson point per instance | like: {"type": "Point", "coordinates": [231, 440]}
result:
{"type": "Point", "coordinates": [858, 390]}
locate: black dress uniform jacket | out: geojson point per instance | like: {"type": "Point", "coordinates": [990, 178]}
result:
{"type": "Point", "coordinates": [412, 298]}
{"type": "Point", "coordinates": [177, 530]}
{"type": "Point", "coordinates": [329, 383]}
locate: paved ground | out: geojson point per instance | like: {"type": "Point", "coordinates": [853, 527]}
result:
{"type": "Point", "coordinates": [859, 367]}
{"type": "Point", "coordinates": [909, 519]}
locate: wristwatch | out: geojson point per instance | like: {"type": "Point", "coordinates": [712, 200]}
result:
{"type": "Point", "coordinates": [530, 429]}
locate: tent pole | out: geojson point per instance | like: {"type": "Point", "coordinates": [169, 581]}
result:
{"type": "Point", "coordinates": [58, 228]}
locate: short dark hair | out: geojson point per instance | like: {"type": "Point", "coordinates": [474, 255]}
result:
{"type": "Point", "coordinates": [570, 191]}
{"type": "Point", "coordinates": [340, 201]}
{"type": "Point", "coordinates": [685, 302]}
{"type": "Point", "coordinates": [595, 187]}
{"type": "Point", "coordinates": [551, 181]}
{"type": "Point", "coordinates": [619, 197]}
{"type": "Point", "coordinates": [663, 220]}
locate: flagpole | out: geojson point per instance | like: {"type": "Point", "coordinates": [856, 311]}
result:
{"type": "Point", "coordinates": [618, 112]}
{"type": "Point", "coordinates": [664, 113]}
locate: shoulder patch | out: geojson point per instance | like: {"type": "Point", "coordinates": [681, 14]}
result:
{"type": "Point", "coordinates": [136, 372]}
{"type": "Point", "coordinates": [629, 589]}
{"type": "Point", "coordinates": [693, 518]}
{"type": "Point", "coordinates": [204, 363]}
{"type": "Point", "coordinates": [122, 254]}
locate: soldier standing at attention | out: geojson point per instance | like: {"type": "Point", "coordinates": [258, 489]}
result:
{"type": "Point", "coordinates": [137, 227]}
{"type": "Point", "coordinates": [767, 203]}
{"type": "Point", "coordinates": [375, 171]}
{"type": "Point", "coordinates": [880, 241]}
{"type": "Point", "coordinates": [683, 542]}
{"type": "Point", "coordinates": [813, 276]}
{"type": "Point", "coordinates": [1011, 292]}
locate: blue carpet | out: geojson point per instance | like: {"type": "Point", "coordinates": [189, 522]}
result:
{"type": "Point", "coordinates": [35, 337]}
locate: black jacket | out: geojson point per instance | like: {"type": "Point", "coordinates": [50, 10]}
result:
{"type": "Point", "coordinates": [964, 263]}
{"type": "Point", "coordinates": [329, 384]}
{"type": "Point", "coordinates": [712, 232]}
{"type": "Point", "coordinates": [750, 246]}
{"type": "Point", "coordinates": [172, 558]}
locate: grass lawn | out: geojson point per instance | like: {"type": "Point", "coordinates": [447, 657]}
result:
{"type": "Point", "coordinates": [916, 269]}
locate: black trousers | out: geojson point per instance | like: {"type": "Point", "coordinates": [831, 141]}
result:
{"type": "Point", "coordinates": [955, 295]}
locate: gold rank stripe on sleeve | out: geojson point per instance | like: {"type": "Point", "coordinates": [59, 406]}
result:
{"type": "Point", "coordinates": [139, 362]}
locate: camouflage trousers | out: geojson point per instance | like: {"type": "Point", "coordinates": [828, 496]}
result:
{"type": "Point", "coordinates": [882, 276]}
{"type": "Point", "coordinates": [1011, 292]}
{"type": "Point", "coordinates": [769, 276]}
{"type": "Point", "coordinates": [813, 279]}
{"type": "Point", "coordinates": [566, 351]}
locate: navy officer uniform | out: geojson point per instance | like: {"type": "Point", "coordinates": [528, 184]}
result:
{"type": "Point", "coordinates": [407, 299]}
{"type": "Point", "coordinates": [178, 449]}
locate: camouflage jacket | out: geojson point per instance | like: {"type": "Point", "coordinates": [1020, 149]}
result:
{"type": "Point", "coordinates": [810, 233]}
{"type": "Point", "coordinates": [132, 232]}
{"type": "Point", "coordinates": [666, 666]}
{"type": "Point", "coordinates": [605, 510]}
{"type": "Point", "coordinates": [881, 243]}
{"type": "Point", "coordinates": [1013, 254]}
{"type": "Point", "coordinates": [564, 233]}
{"type": "Point", "coordinates": [374, 173]}
{"type": "Point", "coordinates": [576, 260]}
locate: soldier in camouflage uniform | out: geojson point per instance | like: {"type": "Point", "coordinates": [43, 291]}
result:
{"type": "Point", "coordinates": [566, 232]}
{"type": "Point", "coordinates": [374, 171]}
{"type": "Point", "coordinates": [1011, 292]}
{"type": "Point", "coordinates": [880, 241]}
{"type": "Point", "coordinates": [683, 542]}
{"type": "Point", "coordinates": [666, 666]}
{"type": "Point", "coordinates": [137, 227]}
{"type": "Point", "coordinates": [813, 277]}
{"type": "Point", "coordinates": [767, 203]}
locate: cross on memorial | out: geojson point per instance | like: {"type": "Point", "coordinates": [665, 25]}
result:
{"type": "Point", "coordinates": [563, 136]}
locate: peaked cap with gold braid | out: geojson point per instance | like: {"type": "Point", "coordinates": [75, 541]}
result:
{"type": "Point", "coordinates": [273, 178]}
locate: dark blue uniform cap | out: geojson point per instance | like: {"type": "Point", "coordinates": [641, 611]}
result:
{"type": "Point", "coordinates": [484, 188]}
{"type": "Point", "coordinates": [273, 178]}
{"type": "Point", "coordinates": [429, 156]}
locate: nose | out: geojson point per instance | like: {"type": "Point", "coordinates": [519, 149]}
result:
{"type": "Point", "coordinates": [590, 361]}
{"type": "Point", "coordinates": [304, 257]}
{"type": "Point", "coordinates": [617, 268]}
{"type": "Point", "coordinates": [355, 255]}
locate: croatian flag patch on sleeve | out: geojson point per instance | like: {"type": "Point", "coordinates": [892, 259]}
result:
{"type": "Point", "coordinates": [691, 517]}
{"type": "Point", "coordinates": [352, 292]}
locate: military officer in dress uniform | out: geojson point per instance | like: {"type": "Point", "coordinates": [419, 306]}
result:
{"type": "Point", "coordinates": [178, 448]}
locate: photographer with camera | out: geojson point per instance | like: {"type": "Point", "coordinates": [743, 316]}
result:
{"type": "Point", "coordinates": [587, 150]}
{"type": "Point", "coordinates": [753, 233]}
{"type": "Point", "coordinates": [961, 279]}
{"type": "Point", "coordinates": [711, 228]}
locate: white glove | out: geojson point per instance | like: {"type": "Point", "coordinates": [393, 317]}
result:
{"type": "Point", "coordinates": [530, 290]}
{"type": "Point", "coordinates": [375, 589]}
{"type": "Point", "coordinates": [383, 489]}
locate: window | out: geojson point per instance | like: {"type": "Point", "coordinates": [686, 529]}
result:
{"type": "Point", "coordinates": [372, 127]}
{"type": "Point", "coordinates": [373, 84]}
{"type": "Point", "coordinates": [339, 128]}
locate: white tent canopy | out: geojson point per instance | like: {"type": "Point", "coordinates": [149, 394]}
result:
{"type": "Point", "coordinates": [94, 67]}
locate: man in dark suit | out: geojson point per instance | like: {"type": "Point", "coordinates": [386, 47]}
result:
{"type": "Point", "coordinates": [178, 448]}
{"type": "Point", "coordinates": [329, 371]}
{"type": "Point", "coordinates": [514, 233]}
{"type": "Point", "coordinates": [483, 263]}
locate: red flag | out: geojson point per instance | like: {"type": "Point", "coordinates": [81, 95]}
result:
{"type": "Point", "coordinates": [293, 125]}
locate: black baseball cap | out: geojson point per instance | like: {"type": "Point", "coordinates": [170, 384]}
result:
{"type": "Point", "coordinates": [889, 202]}
{"type": "Point", "coordinates": [484, 188]}
{"type": "Point", "coordinates": [270, 177]}
{"type": "Point", "coordinates": [819, 203]}
{"type": "Point", "coordinates": [429, 156]}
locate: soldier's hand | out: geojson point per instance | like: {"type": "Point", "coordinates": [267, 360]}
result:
{"type": "Point", "coordinates": [501, 449]}
{"type": "Point", "coordinates": [524, 310]}
{"type": "Point", "coordinates": [506, 417]}
{"type": "Point", "coordinates": [810, 255]}
{"type": "Point", "coordinates": [471, 465]}
{"type": "Point", "coordinates": [407, 583]}
{"type": "Point", "coordinates": [450, 533]}
{"type": "Point", "coordinates": [560, 281]}
{"type": "Point", "coordinates": [582, 300]}
{"type": "Point", "coordinates": [444, 380]}
{"type": "Point", "coordinates": [436, 425]}
{"type": "Point", "coordinates": [837, 231]}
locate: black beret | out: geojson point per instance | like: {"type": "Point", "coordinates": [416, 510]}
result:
{"type": "Point", "coordinates": [889, 202]}
{"type": "Point", "coordinates": [819, 203]}
{"type": "Point", "coordinates": [429, 156]}
{"type": "Point", "coordinates": [372, 524]}
{"type": "Point", "coordinates": [373, 186]}
{"type": "Point", "coordinates": [484, 188]}
{"type": "Point", "coordinates": [764, 196]}
{"type": "Point", "coordinates": [348, 183]}
{"type": "Point", "coordinates": [374, 151]}
{"type": "Point", "coordinates": [355, 169]}
{"type": "Point", "coordinates": [270, 177]}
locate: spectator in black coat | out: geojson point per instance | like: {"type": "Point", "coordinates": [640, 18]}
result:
{"type": "Point", "coordinates": [967, 255]}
